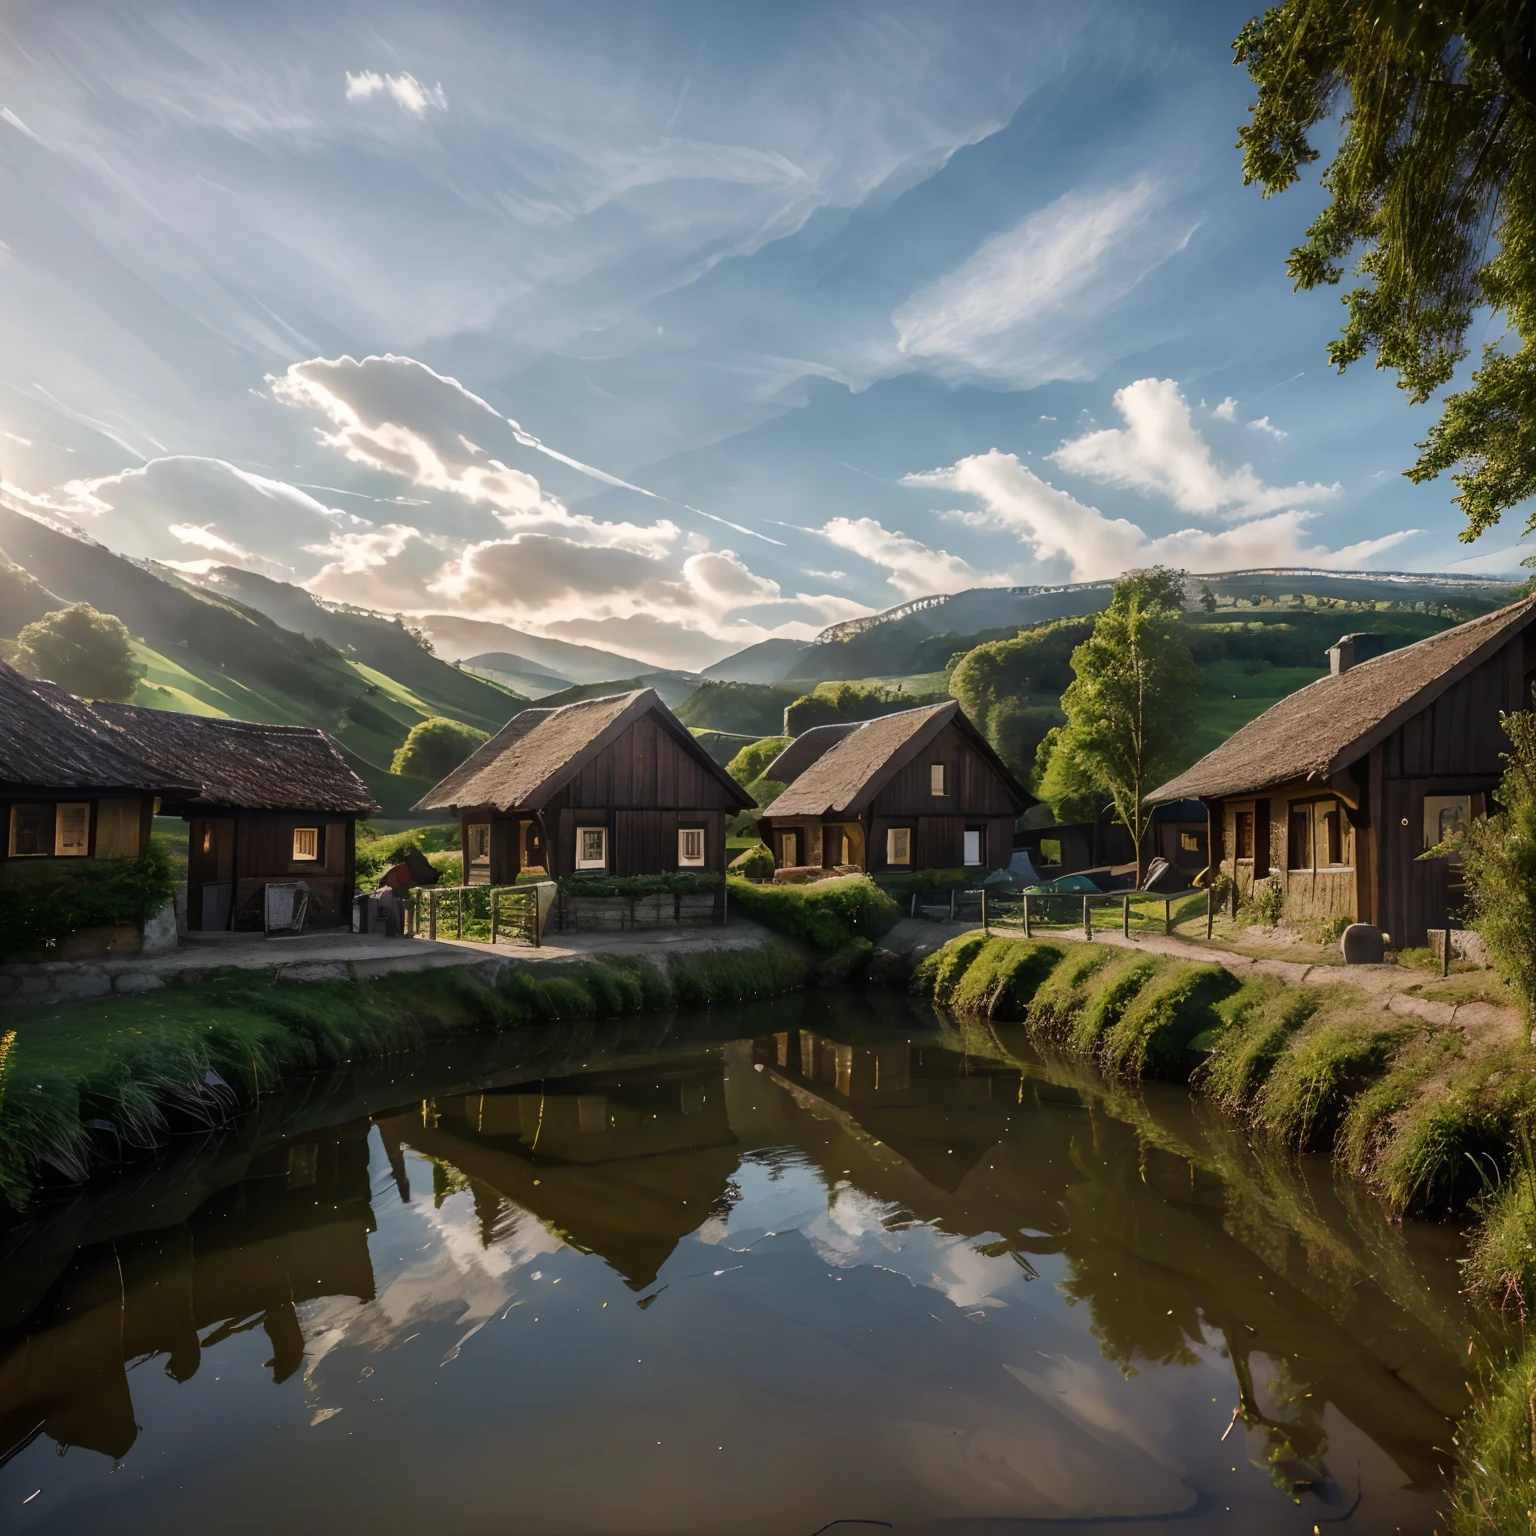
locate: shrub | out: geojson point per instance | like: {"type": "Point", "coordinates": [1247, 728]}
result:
{"type": "Point", "coordinates": [41, 906]}
{"type": "Point", "coordinates": [435, 747]}
{"type": "Point", "coordinates": [755, 862]}
{"type": "Point", "coordinates": [827, 915]}
{"type": "Point", "coordinates": [749, 764]}
{"type": "Point", "coordinates": [924, 884]}
{"type": "Point", "coordinates": [1332, 930]}
{"type": "Point", "coordinates": [1265, 901]}
{"type": "Point", "coordinates": [595, 885]}
{"type": "Point", "coordinates": [86, 652]}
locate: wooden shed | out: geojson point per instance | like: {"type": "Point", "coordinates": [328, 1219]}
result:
{"type": "Point", "coordinates": [922, 789]}
{"type": "Point", "coordinates": [273, 803]}
{"type": "Point", "coordinates": [1338, 789]}
{"type": "Point", "coordinates": [66, 790]}
{"type": "Point", "coordinates": [614, 785]}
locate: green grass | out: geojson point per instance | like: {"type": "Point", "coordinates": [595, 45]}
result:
{"type": "Point", "coordinates": [1154, 1031]}
{"type": "Point", "coordinates": [828, 914]}
{"type": "Point", "coordinates": [1495, 1485]}
{"type": "Point", "coordinates": [1258, 1022]}
{"type": "Point", "coordinates": [1312, 1083]}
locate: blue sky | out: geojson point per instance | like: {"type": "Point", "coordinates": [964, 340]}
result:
{"type": "Point", "coordinates": [668, 327]}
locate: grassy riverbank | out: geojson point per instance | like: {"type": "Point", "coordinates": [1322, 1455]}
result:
{"type": "Point", "coordinates": [87, 1084]}
{"type": "Point", "coordinates": [1436, 1125]}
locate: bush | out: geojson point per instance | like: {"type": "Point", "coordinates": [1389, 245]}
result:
{"type": "Point", "coordinates": [435, 747]}
{"type": "Point", "coordinates": [828, 914]}
{"type": "Point", "coordinates": [40, 907]}
{"type": "Point", "coordinates": [925, 884]}
{"type": "Point", "coordinates": [748, 765]}
{"type": "Point", "coordinates": [639, 885]}
{"type": "Point", "coordinates": [755, 862]}
{"type": "Point", "coordinates": [83, 651]}
{"type": "Point", "coordinates": [1265, 901]}
{"type": "Point", "coordinates": [741, 709]}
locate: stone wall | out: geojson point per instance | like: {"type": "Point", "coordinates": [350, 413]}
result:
{"type": "Point", "coordinates": [618, 914]}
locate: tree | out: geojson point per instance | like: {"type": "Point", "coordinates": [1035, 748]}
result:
{"type": "Point", "coordinates": [86, 652]}
{"type": "Point", "coordinates": [1434, 184]}
{"type": "Point", "coordinates": [1207, 597]}
{"type": "Point", "coordinates": [1130, 706]}
{"type": "Point", "coordinates": [435, 747]}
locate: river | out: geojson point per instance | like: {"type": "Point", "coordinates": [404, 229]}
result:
{"type": "Point", "coordinates": [830, 1259]}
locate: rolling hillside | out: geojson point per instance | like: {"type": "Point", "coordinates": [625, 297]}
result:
{"type": "Point", "coordinates": [459, 638]}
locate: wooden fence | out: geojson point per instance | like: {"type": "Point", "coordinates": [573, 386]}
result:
{"type": "Point", "coordinates": [488, 914]}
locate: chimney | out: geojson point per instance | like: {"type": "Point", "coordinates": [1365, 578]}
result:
{"type": "Point", "coordinates": [1350, 650]}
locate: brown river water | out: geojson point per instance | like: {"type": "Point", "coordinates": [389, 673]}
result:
{"type": "Point", "coordinates": [832, 1261]}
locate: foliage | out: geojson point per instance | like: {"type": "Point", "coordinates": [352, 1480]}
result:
{"type": "Point", "coordinates": [1499, 855]}
{"type": "Point", "coordinates": [1312, 1083]}
{"type": "Point", "coordinates": [925, 884]}
{"type": "Point", "coordinates": [735, 976]}
{"type": "Point", "coordinates": [749, 764]}
{"type": "Point", "coordinates": [435, 747]}
{"type": "Point", "coordinates": [1153, 1033]}
{"type": "Point", "coordinates": [41, 906]}
{"type": "Point", "coordinates": [746, 709]}
{"type": "Point", "coordinates": [1260, 1021]}
{"type": "Point", "coordinates": [1265, 901]}
{"type": "Point", "coordinates": [755, 862]}
{"type": "Point", "coordinates": [1432, 181]}
{"type": "Point", "coordinates": [1495, 1487]}
{"type": "Point", "coordinates": [87, 653]}
{"type": "Point", "coordinates": [595, 885]}
{"type": "Point", "coordinates": [377, 853]}
{"type": "Point", "coordinates": [827, 914]}
{"type": "Point", "coordinates": [835, 703]}
{"type": "Point", "coordinates": [1130, 705]}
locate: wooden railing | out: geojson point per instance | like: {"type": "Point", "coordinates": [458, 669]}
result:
{"type": "Point", "coordinates": [1130, 912]}
{"type": "Point", "coordinates": [487, 914]}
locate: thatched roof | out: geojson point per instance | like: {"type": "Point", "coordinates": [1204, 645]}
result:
{"type": "Point", "coordinates": [1332, 722]}
{"type": "Point", "coordinates": [844, 779]}
{"type": "Point", "coordinates": [240, 764]}
{"type": "Point", "coordinates": [49, 740]}
{"type": "Point", "coordinates": [806, 748]}
{"type": "Point", "coordinates": [539, 750]}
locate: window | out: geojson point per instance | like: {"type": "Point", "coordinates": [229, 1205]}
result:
{"type": "Point", "coordinates": [71, 831]}
{"type": "Point", "coordinates": [690, 847]}
{"type": "Point", "coordinates": [1333, 836]}
{"type": "Point", "coordinates": [478, 839]}
{"type": "Point", "coordinates": [31, 831]}
{"type": "Point", "coordinates": [845, 846]}
{"type": "Point", "coordinates": [898, 845]}
{"type": "Point", "coordinates": [936, 779]}
{"type": "Point", "coordinates": [1189, 842]}
{"type": "Point", "coordinates": [306, 845]}
{"type": "Point", "coordinates": [973, 845]}
{"type": "Point", "coordinates": [789, 850]}
{"type": "Point", "coordinates": [1245, 834]}
{"type": "Point", "coordinates": [1298, 846]}
{"type": "Point", "coordinates": [1445, 816]}
{"type": "Point", "coordinates": [591, 847]}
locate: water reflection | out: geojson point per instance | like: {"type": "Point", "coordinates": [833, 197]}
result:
{"type": "Point", "coordinates": [944, 1277]}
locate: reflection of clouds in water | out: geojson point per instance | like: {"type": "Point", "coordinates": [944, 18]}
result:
{"type": "Point", "coordinates": [1085, 1389]}
{"type": "Point", "coordinates": [454, 1279]}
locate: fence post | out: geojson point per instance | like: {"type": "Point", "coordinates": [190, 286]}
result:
{"type": "Point", "coordinates": [1125, 916]}
{"type": "Point", "coordinates": [983, 911]}
{"type": "Point", "coordinates": [1167, 915]}
{"type": "Point", "coordinates": [951, 903]}
{"type": "Point", "coordinates": [1445, 954]}
{"type": "Point", "coordinates": [432, 914]}
{"type": "Point", "coordinates": [1027, 933]}
{"type": "Point", "coordinates": [1210, 909]}
{"type": "Point", "coordinates": [459, 906]}
{"type": "Point", "coordinates": [1087, 921]}
{"type": "Point", "coordinates": [495, 908]}
{"type": "Point", "coordinates": [914, 904]}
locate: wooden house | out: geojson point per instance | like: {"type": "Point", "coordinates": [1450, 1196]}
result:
{"type": "Point", "coordinates": [272, 803]}
{"type": "Point", "coordinates": [1338, 789]}
{"type": "Point", "coordinates": [66, 790]}
{"type": "Point", "coordinates": [922, 789]}
{"type": "Point", "coordinates": [614, 785]}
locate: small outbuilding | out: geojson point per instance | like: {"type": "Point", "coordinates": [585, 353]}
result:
{"type": "Point", "coordinates": [272, 804]}
{"type": "Point", "coordinates": [66, 790]}
{"type": "Point", "coordinates": [922, 789]}
{"type": "Point", "coordinates": [615, 785]}
{"type": "Point", "coordinates": [1336, 791]}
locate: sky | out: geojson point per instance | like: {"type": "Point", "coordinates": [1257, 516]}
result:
{"type": "Point", "coordinates": [671, 327]}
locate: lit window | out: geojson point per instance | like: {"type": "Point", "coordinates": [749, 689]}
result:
{"type": "Point", "coordinates": [31, 831]}
{"type": "Point", "coordinates": [71, 831]}
{"type": "Point", "coordinates": [936, 779]}
{"type": "Point", "coordinates": [690, 846]}
{"type": "Point", "coordinates": [898, 845]}
{"type": "Point", "coordinates": [479, 842]}
{"type": "Point", "coordinates": [973, 845]}
{"type": "Point", "coordinates": [592, 848]}
{"type": "Point", "coordinates": [306, 844]}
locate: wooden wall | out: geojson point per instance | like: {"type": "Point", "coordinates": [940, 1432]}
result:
{"type": "Point", "coordinates": [250, 849]}
{"type": "Point", "coordinates": [645, 768]}
{"type": "Point", "coordinates": [120, 823]}
{"type": "Point", "coordinates": [975, 789]}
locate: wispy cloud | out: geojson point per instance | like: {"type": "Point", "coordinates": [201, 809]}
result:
{"type": "Point", "coordinates": [405, 88]}
{"type": "Point", "coordinates": [16, 122]}
{"type": "Point", "coordinates": [916, 569]}
{"type": "Point", "coordinates": [1160, 451]}
{"type": "Point", "coordinates": [1264, 424]}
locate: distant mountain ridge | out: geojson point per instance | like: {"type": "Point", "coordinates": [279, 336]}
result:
{"type": "Point", "coordinates": [458, 638]}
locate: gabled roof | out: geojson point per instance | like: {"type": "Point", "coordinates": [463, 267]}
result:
{"type": "Point", "coordinates": [1330, 723]}
{"type": "Point", "coordinates": [49, 739]}
{"type": "Point", "coordinates": [240, 764]}
{"type": "Point", "coordinates": [539, 750]}
{"type": "Point", "coordinates": [806, 748]}
{"type": "Point", "coordinates": [843, 780]}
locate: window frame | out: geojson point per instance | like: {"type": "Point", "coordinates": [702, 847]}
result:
{"type": "Point", "coordinates": [601, 832]}
{"type": "Point", "coordinates": [46, 839]}
{"type": "Point", "coordinates": [317, 856]}
{"type": "Point", "coordinates": [980, 834]}
{"type": "Point", "coordinates": [1300, 837]}
{"type": "Point", "coordinates": [683, 860]}
{"type": "Point", "coordinates": [472, 835]}
{"type": "Point", "coordinates": [59, 850]}
{"type": "Point", "coordinates": [891, 836]}
{"type": "Point", "coordinates": [1238, 828]}
{"type": "Point", "coordinates": [938, 780]}
{"type": "Point", "coordinates": [789, 848]}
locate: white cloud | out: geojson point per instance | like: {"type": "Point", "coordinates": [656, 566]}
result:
{"type": "Point", "coordinates": [1264, 424]}
{"type": "Point", "coordinates": [405, 88]}
{"type": "Point", "coordinates": [1226, 411]}
{"type": "Point", "coordinates": [1057, 527]}
{"type": "Point", "coordinates": [1011, 311]}
{"type": "Point", "coordinates": [1159, 450]}
{"type": "Point", "coordinates": [16, 123]}
{"type": "Point", "coordinates": [916, 569]}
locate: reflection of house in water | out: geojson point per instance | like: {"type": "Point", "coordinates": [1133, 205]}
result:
{"type": "Point", "coordinates": [295, 1229]}
{"type": "Point", "coordinates": [622, 1163]}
